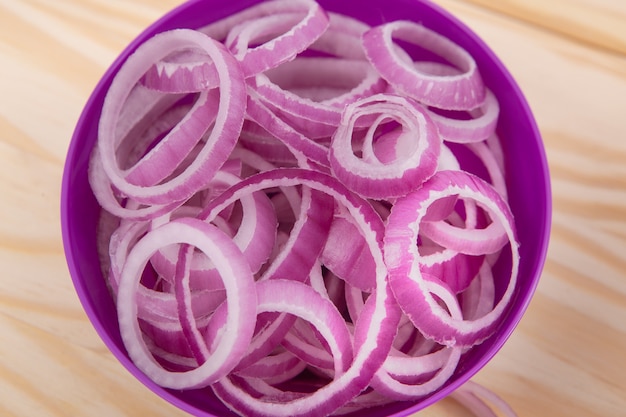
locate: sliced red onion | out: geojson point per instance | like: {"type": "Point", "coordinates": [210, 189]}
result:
{"type": "Point", "coordinates": [447, 160]}
{"type": "Point", "coordinates": [221, 140]}
{"type": "Point", "coordinates": [192, 70]}
{"type": "Point", "coordinates": [301, 300]}
{"type": "Point", "coordinates": [495, 147]}
{"type": "Point", "coordinates": [241, 295]}
{"type": "Point", "coordinates": [302, 147]}
{"type": "Point", "coordinates": [313, 354]}
{"type": "Point", "coordinates": [258, 140]}
{"type": "Point", "coordinates": [479, 297]}
{"type": "Point", "coordinates": [294, 35]}
{"type": "Point", "coordinates": [299, 253]}
{"type": "Point", "coordinates": [469, 240]}
{"type": "Point", "coordinates": [190, 331]}
{"type": "Point", "coordinates": [186, 71]}
{"type": "Point", "coordinates": [373, 331]}
{"type": "Point", "coordinates": [347, 255]}
{"type": "Point", "coordinates": [478, 128]}
{"type": "Point", "coordinates": [105, 193]}
{"type": "Point", "coordinates": [343, 37]}
{"type": "Point", "coordinates": [308, 234]}
{"type": "Point", "coordinates": [309, 92]}
{"type": "Point", "coordinates": [156, 307]}
{"type": "Point", "coordinates": [317, 117]}
{"type": "Point", "coordinates": [455, 269]}
{"type": "Point", "coordinates": [282, 364]}
{"type": "Point", "coordinates": [402, 377]}
{"type": "Point", "coordinates": [471, 126]}
{"type": "Point", "coordinates": [220, 28]}
{"type": "Point", "coordinates": [255, 236]}
{"type": "Point", "coordinates": [416, 153]}
{"type": "Point", "coordinates": [402, 258]}
{"type": "Point", "coordinates": [457, 92]}
{"type": "Point", "coordinates": [163, 159]}
{"type": "Point", "coordinates": [365, 400]}
{"type": "Point", "coordinates": [134, 154]}
{"type": "Point", "coordinates": [494, 167]}
{"type": "Point", "coordinates": [329, 286]}
{"type": "Point", "coordinates": [165, 340]}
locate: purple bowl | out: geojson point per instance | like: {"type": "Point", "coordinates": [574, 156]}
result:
{"type": "Point", "coordinates": [528, 183]}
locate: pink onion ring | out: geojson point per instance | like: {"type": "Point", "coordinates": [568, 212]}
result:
{"type": "Point", "coordinates": [223, 135]}
{"type": "Point", "coordinates": [416, 153]}
{"type": "Point", "coordinates": [402, 258]}
{"type": "Point", "coordinates": [240, 289]}
{"type": "Point", "coordinates": [460, 92]}
{"type": "Point", "coordinates": [303, 31]}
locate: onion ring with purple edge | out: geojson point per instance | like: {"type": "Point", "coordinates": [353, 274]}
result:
{"type": "Point", "coordinates": [240, 290]}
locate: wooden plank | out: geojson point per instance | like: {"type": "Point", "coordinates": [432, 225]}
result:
{"type": "Point", "coordinates": [598, 23]}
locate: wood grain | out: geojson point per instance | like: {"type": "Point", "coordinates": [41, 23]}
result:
{"type": "Point", "coordinates": [598, 23]}
{"type": "Point", "coordinates": [566, 357]}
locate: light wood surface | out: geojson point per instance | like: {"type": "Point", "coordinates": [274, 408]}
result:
{"type": "Point", "coordinates": [566, 358]}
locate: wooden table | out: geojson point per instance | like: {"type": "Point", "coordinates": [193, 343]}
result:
{"type": "Point", "coordinates": [567, 357]}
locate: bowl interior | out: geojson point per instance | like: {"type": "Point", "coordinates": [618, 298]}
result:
{"type": "Point", "coordinates": [528, 183]}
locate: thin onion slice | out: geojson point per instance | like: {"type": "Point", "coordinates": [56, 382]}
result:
{"type": "Point", "coordinates": [301, 32]}
{"type": "Point", "coordinates": [457, 92]}
{"type": "Point", "coordinates": [224, 133]}
{"type": "Point", "coordinates": [402, 258]}
{"type": "Point", "coordinates": [417, 149]}
{"type": "Point", "coordinates": [240, 289]}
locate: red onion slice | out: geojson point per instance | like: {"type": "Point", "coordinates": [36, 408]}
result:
{"type": "Point", "coordinates": [303, 148]}
{"type": "Point", "coordinates": [302, 32]}
{"type": "Point", "coordinates": [311, 353]}
{"type": "Point", "coordinates": [301, 300]}
{"type": "Point", "coordinates": [455, 269]}
{"type": "Point", "coordinates": [416, 152]}
{"type": "Point", "coordinates": [282, 364]}
{"type": "Point", "coordinates": [167, 155]}
{"type": "Point", "coordinates": [466, 240]}
{"type": "Point", "coordinates": [494, 167]}
{"type": "Point", "coordinates": [402, 258]}
{"type": "Point", "coordinates": [342, 37]}
{"type": "Point", "coordinates": [310, 91]}
{"type": "Point", "coordinates": [220, 28]}
{"type": "Point", "coordinates": [478, 128]}
{"type": "Point", "coordinates": [402, 378]}
{"type": "Point", "coordinates": [347, 255]}
{"type": "Point", "coordinates": [455, 92]}
{"type": "Point", "coordinates": [255, 235]}
{"type": "Point", "coordinates": [105, 193]}
{"type": "Point", "coordinates": [479, 297]}
{"type": "Point", "coordinates": [373, 331]}
{"type": "Point", "coordinates": [299, 253]}
{"type": "Point", "coordinates": [316, 117]}
{"type": "Point", "coordinates": [240, 290]}
{"type": "Point", "coordinates": [186, 71]}
{"type": "Point", "coordinates": [224, 133]}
